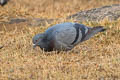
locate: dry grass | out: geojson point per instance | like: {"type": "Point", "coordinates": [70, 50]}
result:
{"type": "Point", "coordinates": [95, 59]}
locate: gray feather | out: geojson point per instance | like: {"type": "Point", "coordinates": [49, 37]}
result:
{"type": "Point", "coordinates": [92, 31]}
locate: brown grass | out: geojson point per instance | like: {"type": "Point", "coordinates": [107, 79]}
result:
{"type": "Point", "coordinates": [95, 59]}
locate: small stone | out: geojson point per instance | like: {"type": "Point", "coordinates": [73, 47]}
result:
{"type": "Point", "coordinates": [101, 78]}
{"type": "Point", "coordinates": [1, 46]}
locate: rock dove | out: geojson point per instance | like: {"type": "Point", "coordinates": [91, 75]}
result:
{"type": "Point", "coordinates": [3, 2]}
{"type": "Point", "coordinates": [64, 36]}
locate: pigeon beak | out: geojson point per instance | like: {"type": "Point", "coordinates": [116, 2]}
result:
{"type": "Point", "coordinates": [34, 45]}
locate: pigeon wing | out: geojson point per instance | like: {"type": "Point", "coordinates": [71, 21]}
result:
{"type": "Point", "coordinates": [64, 37]}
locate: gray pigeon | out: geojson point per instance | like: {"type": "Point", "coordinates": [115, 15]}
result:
{"type": "Point", "coordinates": [3, 2]}
{"type": "Point", "coordinates": [64, 36]}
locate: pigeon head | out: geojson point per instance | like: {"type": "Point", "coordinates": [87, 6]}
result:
{"type": "Point", "coordinates": [37, 40]}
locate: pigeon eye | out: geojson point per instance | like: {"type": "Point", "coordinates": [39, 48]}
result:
{"type": "Point", "coordinates": [36, 40]}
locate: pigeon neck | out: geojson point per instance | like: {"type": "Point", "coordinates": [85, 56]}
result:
{"type": "Point", "coordinates": [46, 44]}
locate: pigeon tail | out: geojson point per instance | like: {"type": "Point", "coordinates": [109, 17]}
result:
{"type": "Point", "coordinates": [98, 29]}
{"type": "Point", "coordinates": [92, 31]}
